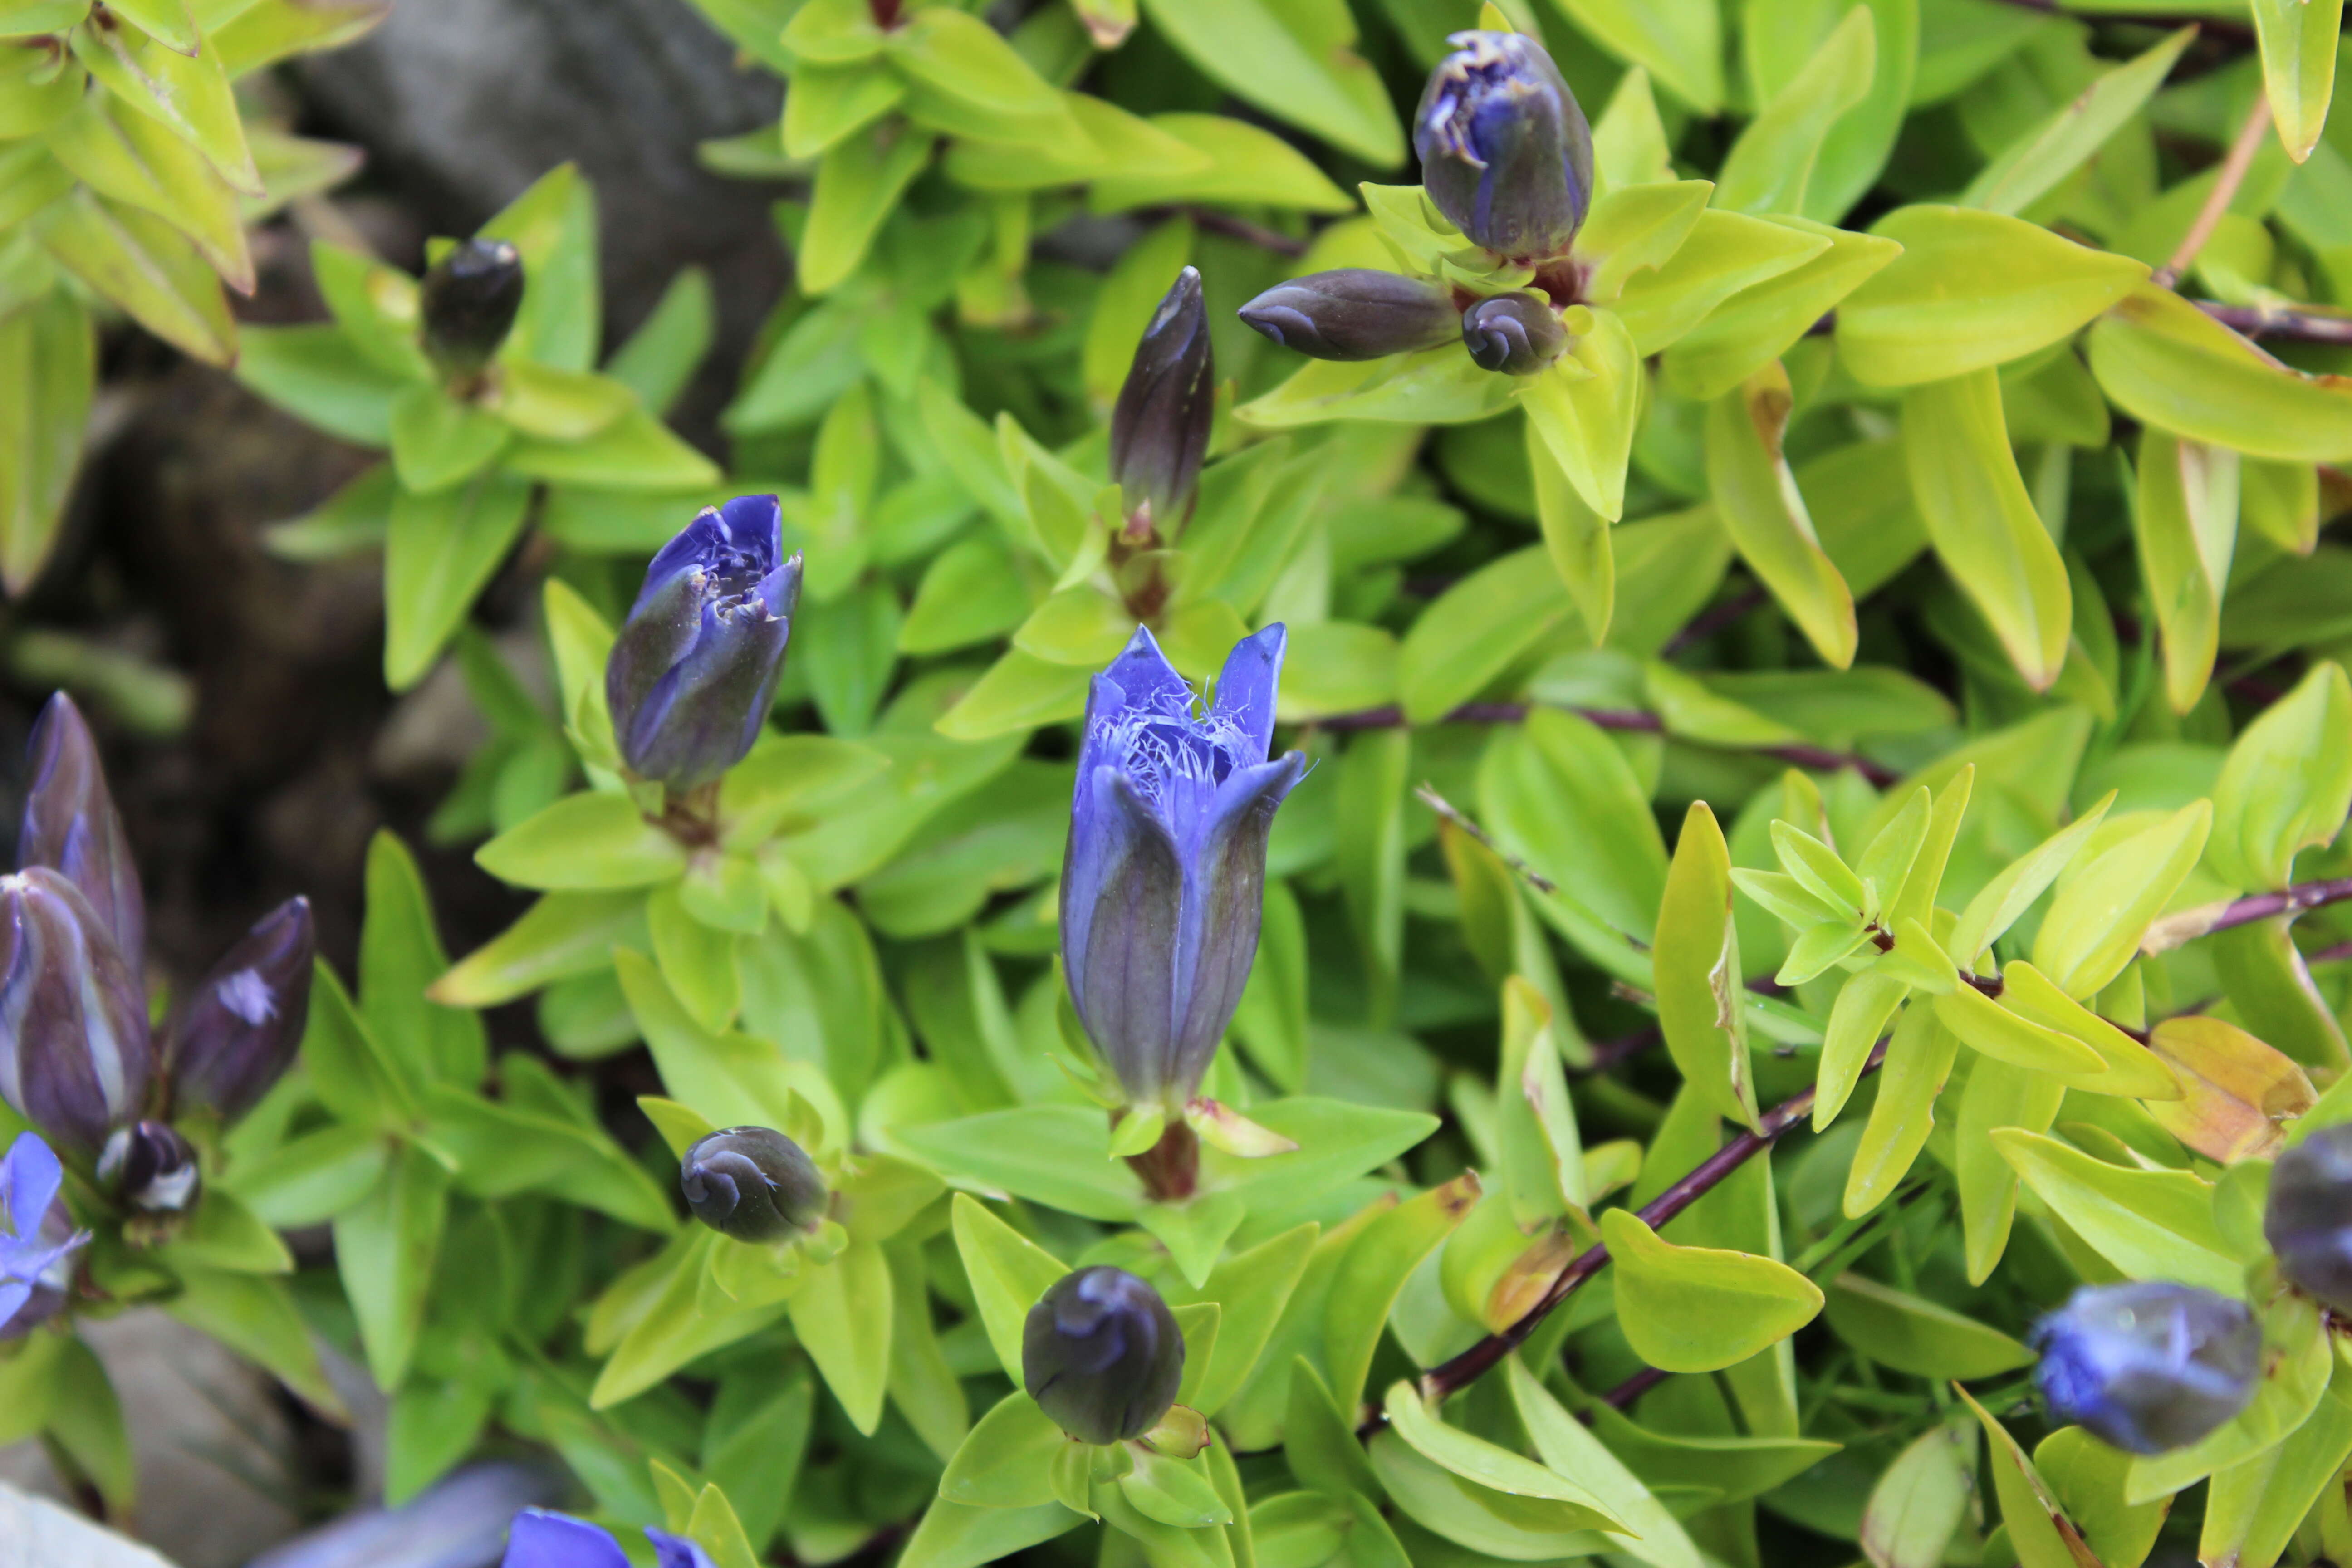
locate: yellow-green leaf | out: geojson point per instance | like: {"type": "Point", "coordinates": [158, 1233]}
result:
{"type": "Point", "coordinates": [1700, 1309]}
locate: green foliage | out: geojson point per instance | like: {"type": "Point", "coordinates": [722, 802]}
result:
{"type": "Point", "coordinates": [1897, 667]}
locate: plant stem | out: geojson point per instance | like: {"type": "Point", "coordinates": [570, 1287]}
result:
{"type": "Point", "coordinates": [2235, 31]}
{"type": "Point", "coordinates": [1451, 1377]}
{"type": "Point", "coordinates": [2189, 924]}
{"type": "Point", "coordinates": [2225, 190]}
{"type": "Point", "coordinates": [2291, 326]}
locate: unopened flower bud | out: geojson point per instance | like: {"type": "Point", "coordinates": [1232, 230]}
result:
{"type": "Point", "coordinates": [70, 825]}
{"type": "Point", "coordinates": [2308, 1221]}
{"type": "Point", "coordinates": [1506, 152]}
{"type": "Point", "coordinates": [75, 1059]}
{"type": "Point", "coordinates": [1101, 1355]}
{"type": "Point", "coordinates": [1513, 334]}
{"type": "Point", "coordinates": [1159, 428]}
{"type": "Point", "coordinates": [1355, 313]}
{"type": "Point", "coordinates": [2149, 1367]}
{"type": "Point", "coordinates": [694, 669]}
{"type": "Point", "coordinates": [471, 299]}
{"type": "Point", "coordinates": [152, 1168]}
{"type": "Point", "coordinates": [752, 1183]}
{"type": "Point", "coordinates": [238, 1030]}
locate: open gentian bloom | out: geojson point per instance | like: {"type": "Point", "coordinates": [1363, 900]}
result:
{"type": "Point", "coordinates": [1164, 880]}
{"type": "Point", "coordinates": [1506, 152]}
{"type": "Point", "coordinates": [694, 670]}
{"type": "Point", "coordinates": [34, 1254]}
{"type": "Point", "coordinates": [544, 1539]}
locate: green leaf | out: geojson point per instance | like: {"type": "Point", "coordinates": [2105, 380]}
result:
{"type": "Point", "coordinates": [310, 1179]}
{"type": "Point", "coordinates": [1570, 1449]}
{"type": "Point", "coordinates": [1914, 1336]}
{"type": "Point", "coordinates": [858, 183]}
{"type": "Point", "coordinates": [440, 551]}
{"type": "Point", "coordinates": [2252, 1507]}
{"type": "Point", "coordinates": [965, 79]}
{"type": "Point", "coordinates": [188, 93]}
{"type": "Point", "coordinates": [1754, 327]}
{"type": "Point", "coordinates": [1372, 1275]}
{"type": "Point", "coordinates": [400, 955]}
{"type": "Point", "coordinates": [353, 1077]}
{"type": "Point", "coordinates": [1576, 538]}
{"type": "Point", "coordinates": [2298, 39]}
{"type": "Point", "coordinates": [1699, 977]}
{"type": "Point", "coordinates": [137, 160]}
{"type": "Point", "coordinates": [1997, 1095]}
{"type": "Point", "coordinates": [2039, 1531]}
{"type": "Point", "coordinates": [1971, 290]}
{"type": "Point", "coordinates": [255, 1316]}
{"type": "Point", "coordinates": [562, 936]}
{"type": "Point", "coordinates": [1473, 633]}
{"type": "Point", "coordinates": [1725, 255]}
{"type": "Point", "coordinates": [1636, 229]}
{"type": "Point", "coordinates": [1435, 386]}
{"type": "Point", "coordinates": [1585, 407]}
{"type": "Point", "coordinates": [1008, 1272]}
{"type": "Point", "coordinates": [1919, 1501]}
{"type": "Point", "coordinates": [2167, 363]}
{"type": "Point", "coordinates": [1965, 481]}
{"type": "Point", "coordinates": [2034, 163]}
{"type": "Point", "coordinates": [2087, 1478]}
{"type": "Point", "coordinates": [1005, 1460]}
{"type": "Point", "coordinates": [842, 1315]}
{"type": "Point", "coordinates": [584, 842]}
{"type": "Point", "coordinates": [48, 373]}
{"type": "Point", "coordinates": [385, 1248]}
{"type": "Point", "coordinates": [697, 959]}
{"type": "Point", "coordinates": [138, 262]}
{"type": "Point", "coordinates": [1700, 1309]}
{"type": "Point", "coordinates": [226, 1236]}
{"type": "Point", "coordinates": [1770, 166]}
{"type": "Point", "coordinates": [731, 1079]}
{"type": "Point", "coordinates": [1560, 1502]}
{"type": "Point", "coordinates": [1757, 498]}
{"type": "Point", "coordinates": [2186, 521]}
{"type": "Point", "coordinates": [1253, 1286]}
{"type": "Point", "coordinates": [1678, 42]}
{"type": "Point", "coordinates": [1295, 59]}
{"type": "Point", "coordinates": [316, 373]}
{"type": "Point", "coordinates": [2008, 1035]}
{"type": "Point", "coordinates": [2287, 782]}
{"type": "Point", "coordinates": [1054, 1154]}
{"type": "Point", "coordinates": [651, 1320]}
{"type": "Point", "coordinates": [1175, 1492]}
{"type": "Point", "coordinates": [1919, 1058]}
{"type": "Point", "coordinates": [2149, 1224]}
{"type": "Point", "coordinates": [2099, 915]}
{"type": "Point", "coordinates": [957, 1535]}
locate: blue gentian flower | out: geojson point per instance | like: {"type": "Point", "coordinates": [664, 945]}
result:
{"type": "Point", "coordinates": [694, 670]}
{"type": "Point", "coordinates": [2149, 1367]}
{"type": "Point", "coordinates": [33, 1250]}
{"type": "Point", "coordinates": [544, 1539]}
{"type": "Point", "coordinates": [1163, 880]}
{"type": "Point", "coordinates": [1505, 150]}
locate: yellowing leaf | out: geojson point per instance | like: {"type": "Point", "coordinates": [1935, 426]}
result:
{"type": "Point", "coordinates": [2238, 1095]}
{"type": "Point", "coordinates": [1699, 981]}
{"type": "Point", "coordinates": [2095, 922]}
{"type": "Point", "coordinates": [1700, 1309]}
{"type": "Point", "coordinates": [1964, 480]}
{"type": "Point", "coordinates": [2168, 363]}
{"type": "Point", "coordinates": [1971, 290]}
{"type": "Point", "coordinates": [1755, 495]}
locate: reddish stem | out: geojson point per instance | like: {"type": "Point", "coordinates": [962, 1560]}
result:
{"type": "Point", "coordinates": [1170, 1169]}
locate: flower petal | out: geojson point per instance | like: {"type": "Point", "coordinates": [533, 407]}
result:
{"type": "Point", "coordinates": [544, 1540]}
{"type": "Point", "coordinates": [1147, 679]}
{"type": "Point", "coordinates": [1122, 887]}
{"type": "Point", "coordinates": [1225, 900]}
{"type": "Point", "coordinates": [1247, 688]}
{"type": "Point", "coordinates": [29, 1179]}
{"type": "Point", "coordinates": [677, 1551]}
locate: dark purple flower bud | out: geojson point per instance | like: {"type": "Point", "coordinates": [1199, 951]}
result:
{"type": "Point", "coordinates": [752, 1183]}
{"type": "Point", "coordinates": [75, 1058]}
{"type": "Point", "coordinates": [1505, 150]}
{"type": "Point", "coordinates": [1159, 428]}
{"type": "Point", "coordinates": [469, 300]}
{"type": "Point", "coordinates": [2149, 1367]}
{"type": "Point", "coordinates": [694, 671]}
{"type": "Point", "coordinates": [71, 825]}
{"type": "Point", "coordinates": [1101, 1355]}
{"type": "Point", "coordinates": [1164, 880]}
{"type": "Point", "coordinates": [1355, 313]}
{"type": "Point", "coordinates": [2309, 1222]}
{"type": "Point", "coordinates": [1515, 334]}
{"type": "Point", "coordinates": [237, 1033]}
{"type": "Point", "coordinates": [37, 1239]}
{"type": "Point", "coordinates": [152, 1168]}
